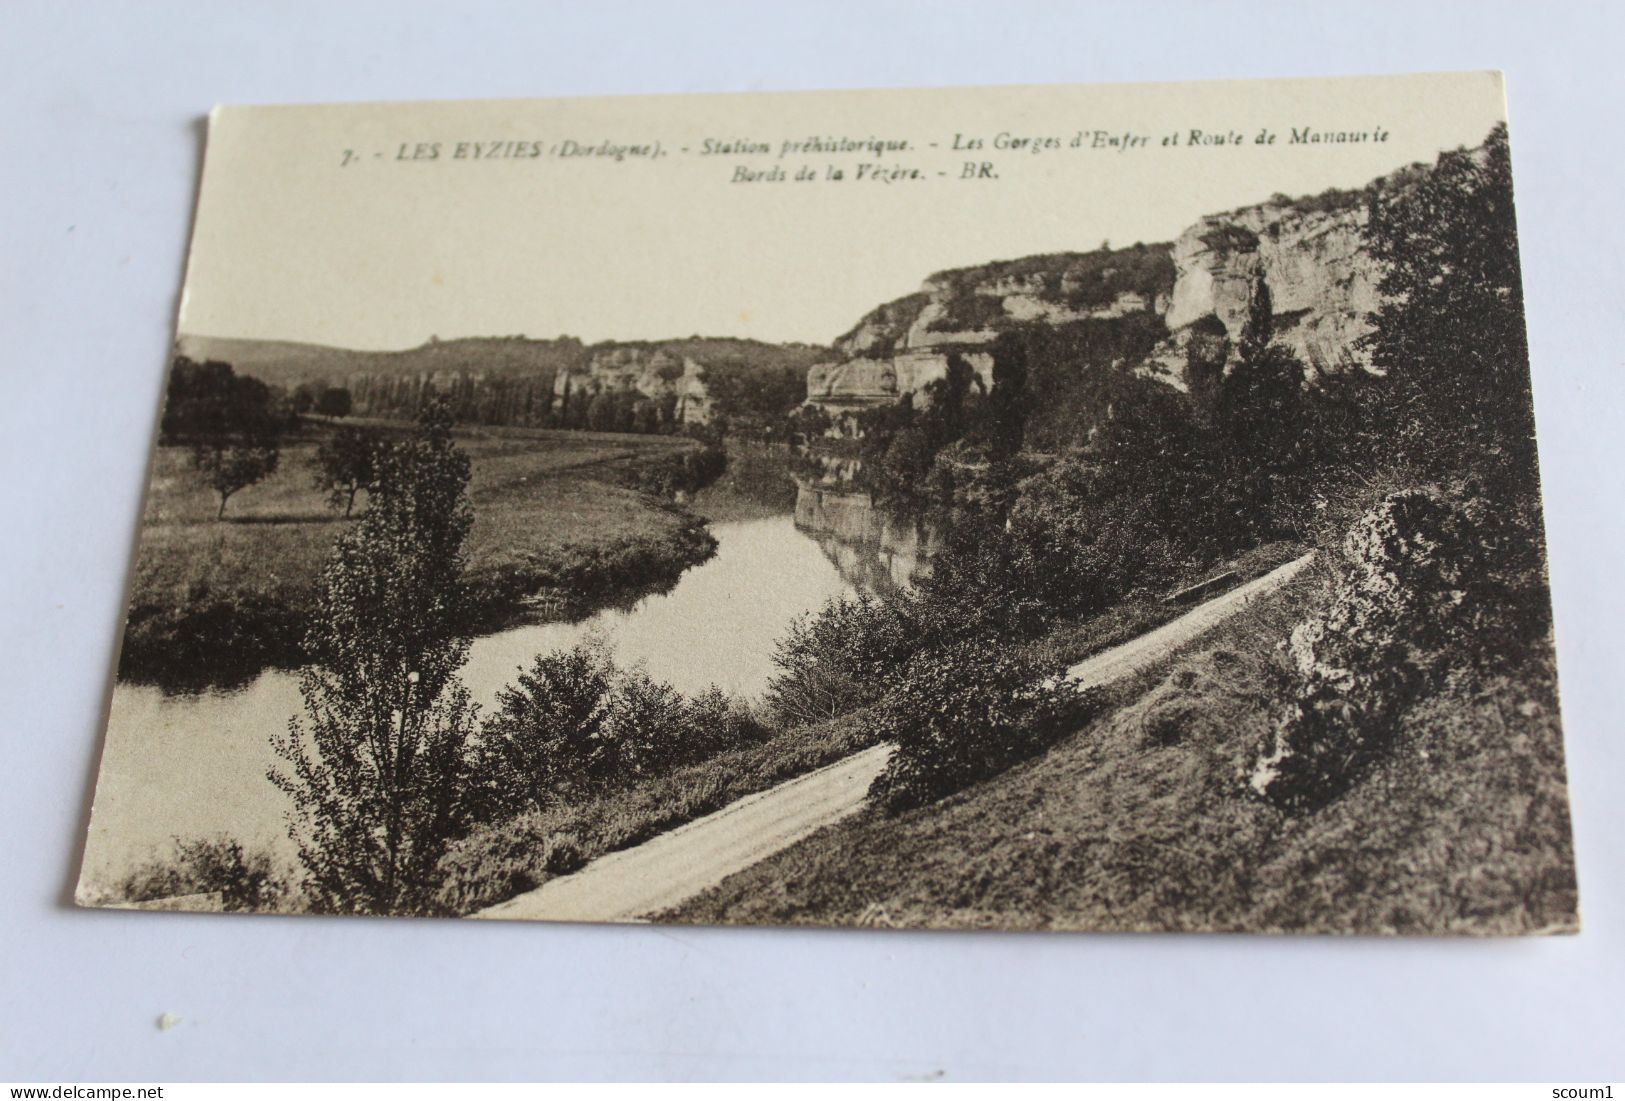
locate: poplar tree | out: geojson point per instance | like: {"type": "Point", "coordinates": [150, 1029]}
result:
{"type": "Point", "coordinates": [376, 769]}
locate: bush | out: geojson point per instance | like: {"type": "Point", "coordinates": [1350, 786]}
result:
{"type": "Point", "coordinates": [245, 880]}
{"type": "Point", "coordinates": [839, 659]}
{"type": "Point", "coordinates": [1428, 585]}
{"type": "Point", "coordinates": [680, 472]}
{"type": "Point", "coordinates": [575, 726]}
{"type": "Point", "coordinates": [964, 712]}
{"type": "Point", "coordinates": [502, 859]}
{"type": "Point", "coordinates": [563, 855]}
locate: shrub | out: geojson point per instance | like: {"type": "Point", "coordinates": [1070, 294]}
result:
{"type": "Point", "coordinates": [563, 855]}
{"type": "Point", "coordinates": [964, 712]}
{"type": "Point", "coordinates": [543, 738]}
{"type": "Point", "coordinates": [246, 880]}
{"type": "Point", "coordinates": [1427, 585]}
{"type": "Point", "coordinates": [679, 472]}
{"type": "Point", "coordinates": [575, 726]}
{"type": "Point", "coordinates": [839, 659]}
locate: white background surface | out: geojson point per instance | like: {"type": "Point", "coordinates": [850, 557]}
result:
{"type": "Point", "coordinates": [101, 106]}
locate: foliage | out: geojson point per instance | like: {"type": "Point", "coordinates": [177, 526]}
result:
{"type": "Point", "coordinates": [1427, 584]}
{"type": "Point", "coordinates": [839, 658]}
{"type": "Point", "coordinates": [963, 712]}
{"type": "Point", "coordinates": [575, 725]}
{"type": "Point", "coordinates": [1136, 822]}
{"type": "Point", "coordinates": [245, 880]}
{"type": "Point", "coordinates": [903, 443]}
{"type": "Point", "coordinates": [209, 401]}
{"type": "Point", "coordinates": [334, 401]}
{"type": "Point", "coordinates": [376, 771]}
{"type": "Point", "coordinates": [1264, 440]}
{"type": "Point", "coordinates": [228, 466]}
{"type": "Point", "coordinates": [228, 419]}
{"type": "Point", "coordinates": [503, 857]}
{"type": "Point", "coordinates": [348, 462]}
{"type": "Point", "coordinates": [1432, 582]}
{"type": "Point", "coordinates": [683, 471]}
{"type": "Point", "coordinates": [1450, 331]}
{"type": "Point", "coordinates": [215, 603]}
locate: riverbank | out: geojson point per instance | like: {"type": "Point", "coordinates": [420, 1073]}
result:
{"type": "Point", "coordinates": [1142, 820]}
{"type": "Point", "coordinates": [556, 535]}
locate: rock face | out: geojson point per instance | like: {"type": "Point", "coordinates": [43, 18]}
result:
{"type": "Point", "coordinates": [1309, 253]}
{"type": "Point", "coordinates": [902, 347]}
{"type": "Point", "coordinates": [864, 381]}
{"type": "Point", "coordinates": [1423, 581]}
{"type": "Point", "coordinates": [1312, 258]}
{"type": "Point", "coordinates": [655, 372]}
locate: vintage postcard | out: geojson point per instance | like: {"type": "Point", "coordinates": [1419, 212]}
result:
{"type": "Point", "coordinates": [1102, 508]}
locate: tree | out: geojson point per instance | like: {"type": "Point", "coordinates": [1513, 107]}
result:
{"type": "Point", "coordinates": [1262, 431]}
{"type": "Point", "coordinates": [964, 712]}
{"type": "Point", "coordinates": [543, 741]}
{"type": "Point", "coordinates": [347, 463]}
{"type": "Point", "coordinates": [1004, 424]}
{"type": "Point", "coordinates": [1450, 331]}
{"type": "Point", "coordinates": [208, 400]}
{"type": "Point", "coordinates": [228, 466]}
{"type": "Point", "coordinates": [600, 416]}
{"type": "Point", "coordinates": [334, 402]}
{"type": "Point", "coordinates": [305, 395]}
{"type": "Point", "coordinates": [575, 725]}
{"type": "Point", "coordinates": [229, 421]}
{"type": "Point", "coordinates": [376, 770]}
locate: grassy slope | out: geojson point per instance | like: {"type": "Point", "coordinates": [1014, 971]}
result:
{"type": "Point", "coordinates": [1141, 821]}
{"type": "Point", "coordinates": [538, 496]}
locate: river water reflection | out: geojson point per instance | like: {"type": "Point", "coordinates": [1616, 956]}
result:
{"type": "Point", "coordinates": [195, 765]}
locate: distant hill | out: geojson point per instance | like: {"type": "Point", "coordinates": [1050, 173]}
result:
{"type": "Point", "coordinates": [516, 379]}
{"type": "Point", "coordinates": [289, 363]}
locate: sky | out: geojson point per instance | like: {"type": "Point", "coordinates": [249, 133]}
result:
{"type": "Point", "coordinates": [361, 226]}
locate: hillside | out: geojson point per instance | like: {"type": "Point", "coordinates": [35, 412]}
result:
{"type": "Point", "coordinates": [288, 363]}
{"type": "Point", "coordinates": [517, 380]}
{"type": "Point", "coordinates": [1142, 821]}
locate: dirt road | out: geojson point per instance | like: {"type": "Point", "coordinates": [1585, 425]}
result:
{"type": "Point", "coordinates": [660, 873]}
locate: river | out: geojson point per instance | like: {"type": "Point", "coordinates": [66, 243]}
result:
{"type": "Point", "coordinates": [194, 765]}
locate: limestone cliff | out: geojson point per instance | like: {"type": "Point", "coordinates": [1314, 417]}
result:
{"type": "Point", "coordinates": [903, 346]}
{"type": "Point", "coordinates": [1309, 252]}
{"type": "Point", "coordinates": [657, 373]}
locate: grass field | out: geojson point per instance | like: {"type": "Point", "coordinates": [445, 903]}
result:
{"type": "Point", "coordinates": [1142, 821]}
{"type": "Point", "coordinates": [217, 600]}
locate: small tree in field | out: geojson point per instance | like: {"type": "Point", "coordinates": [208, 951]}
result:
{"type": "Point", "coordinates": [229, 421]}
{"type": "Point", "coordinates": [347, 463]}
{"type": "Point", "coordinates": [376, 770]}
{"type": "Point", "coordinates": [230, 465]}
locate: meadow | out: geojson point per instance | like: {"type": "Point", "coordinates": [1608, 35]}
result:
{"type": "Point", "coordinates": [556, 532]}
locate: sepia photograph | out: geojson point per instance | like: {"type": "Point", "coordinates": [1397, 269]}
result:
{"type": "Point", "coordinates": [1095, 508]}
